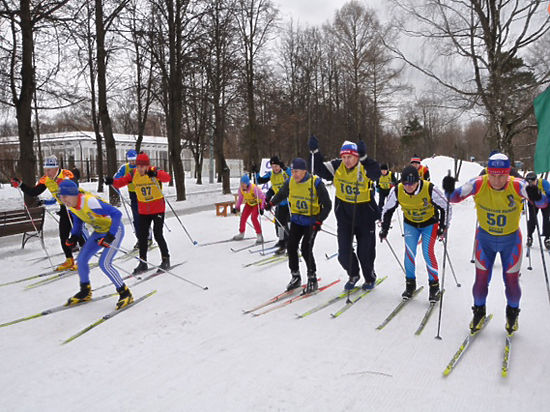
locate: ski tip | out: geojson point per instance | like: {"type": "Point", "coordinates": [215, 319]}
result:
{"type": "Point", "coordinates": [446, 372]}
{"type": "Point", "coordinates": [205, 288]}
{"type": "Point", "coordinates": [504, 374]}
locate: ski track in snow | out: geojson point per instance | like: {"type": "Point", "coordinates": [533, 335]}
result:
{"type": "Point", "coordinates": [193, 350]}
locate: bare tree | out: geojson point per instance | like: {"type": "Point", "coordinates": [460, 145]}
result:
{"type": "Point", "coordinates": [485, 42]}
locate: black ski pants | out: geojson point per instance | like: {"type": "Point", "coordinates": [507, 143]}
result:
{"type": "Point", "coordinates": [144, 225]}
{"type": "Point", "coordinates": [307, 236]}
{"type": "Point", "coordinates": [531, 223]}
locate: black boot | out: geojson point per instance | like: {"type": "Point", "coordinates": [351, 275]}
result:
{"type": "Point", "coordinates": [84, 295]}
{"type": "Point", "coordinates": [142, 267]}
{"type": "Point", "coordinates": [282, 247]}
{"type": "Point", "coordinates": [434, 291]}
{"type": "Point", "coordinates": [511, 319]}
{"type": "Point", "coordinates": [165, 263]}
{"type": "Point", "coordinates": [478, 319]}
{"type": "Point", "coordinates": [547, 243]}
{"type": "Point", "coordinates": [312, 285]}
{"type": "Point", "coordinates": [295, 281]}
{"type": "Point", "coordinates": [410, 287]}
{"type": "Point", "coordinates": [529, 241]}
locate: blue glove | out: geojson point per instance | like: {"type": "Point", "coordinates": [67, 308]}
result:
{"type": "Point", "coordinates": [361, 148]}
{"type": "Point", "coordinates": [313, 144]}
{"type": "Point", "coordinates": [49, 202]}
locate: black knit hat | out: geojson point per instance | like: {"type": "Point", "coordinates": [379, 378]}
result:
{"type": "Point", "coordinates": [275, 161]}
{"type": "Point", "coordinates": [384, 166]}
{"type": "Point", "coordinates": [409, 175]}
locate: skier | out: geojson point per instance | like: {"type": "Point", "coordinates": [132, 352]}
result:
{"type": "Point", "coordinates": [385, 183]}
{"type": "Point", "coordinates": [423, 171]}
{"type": "Point", "coordinates": [53, 176]}
{"type": "Point", "coordinates": [309, 206]}
{"type": "Point", "coordinates": [278, 176]}
{"type": "Point", "coordinates": [151, 206]}
{"type": "Point", "coordinates": [125, 170]}
{"type": "Point", "coordinates": [254, 200]}
{"type": "Point", "coordinates": [356, 210]}
{"type": "Point", "coordinates": [543, 186]}
{"type": "Point", "coordinates": [108, 231]}
{"type": "Point", "coordinates": [498, 198]}
{"type": "Point", "coordinates": [424, 209]}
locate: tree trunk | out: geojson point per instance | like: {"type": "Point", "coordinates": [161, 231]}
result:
{"type": "Point", "coordinates": [104, 117]}
{"type": "Point", "coordinates": [23, 104]}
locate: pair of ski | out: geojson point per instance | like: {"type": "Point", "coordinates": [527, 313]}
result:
{"type": "Point", "coordinates": [292, 295]}
{"type": "Point", "coordinates": [404, 303]}
{"type": "Point", "coordinates": [267, 260]}
{"type": "Point", "coordinates": [217, 242]}
{"type": "Point", "coordinates": [236, 250]}
{"type": "Point", "coordinates": [468, 341]}
{"type": "Point", "coordinates": [349, 303]}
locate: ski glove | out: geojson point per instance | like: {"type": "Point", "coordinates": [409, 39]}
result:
{"type": "Point", "coordinates": [361, 148]}
{"type": "Point", "coordinates": [313, 144]}
{"type": "Point", "coordinates": [317, 226]}
{"type": "Point", "coordinates": [449, 184]}
{"type": "Point", "coordinates": [533, 193]}
{"type": "Point", "coordinates": [261, 211]}
{"type": "Point", "coordinates": [152, 173]}
{"type": "Point", "coordinates": [441, 232]}
{"type": "Point", "coordinates": [108, 180]}
{"type": "Point", "coordinates": [268, 206]}
{"type": "Point", "coordinates": [15, 182]}
{"type": "Point", "coordinates": [383, 234]}
{"type": "Point", "coordinates": [71, 242]}
{"type": "Point", "coordinates": [107, 240]}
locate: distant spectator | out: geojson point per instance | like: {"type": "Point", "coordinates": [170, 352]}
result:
{"type": "Point", "coordinates": [76, 174]}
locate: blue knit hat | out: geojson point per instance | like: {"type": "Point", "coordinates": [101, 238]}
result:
{"type": "Point", "coordinates": [68, 188]}
{"type": "Point", "coordinates": [299, 164]}
{"type": "Point", "coordinates": [131, 154]}
{"type": "Point", "coordinates": [498, 164]}
{"type": "Point", "coordinates": [245, 179]}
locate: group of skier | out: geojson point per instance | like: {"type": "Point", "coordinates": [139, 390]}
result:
{"type": "Point", "coordinates": [301, 204]}
{"type": "Point", "coordinates": [426, 211]}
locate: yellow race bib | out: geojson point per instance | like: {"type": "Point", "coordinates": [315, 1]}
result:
{"type": "Point", "coordinates": [351, 187]}
{"type": "Point", "coordinates": [101, 224]}
{"type": "Point", "coordinates": [147, 190]}
{"type": "Point", "coordinates": [300, 198]}
{"type": "Point", "coordinates": [416, 208]}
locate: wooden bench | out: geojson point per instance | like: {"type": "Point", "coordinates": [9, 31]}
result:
{"type": "Point", "coordinates": [13, 222]}
{"type": "Point", "coordinates": [221, 207]}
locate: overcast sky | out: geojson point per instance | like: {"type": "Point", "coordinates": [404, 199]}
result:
{"type": "Point", "coordinates": [316, 12]}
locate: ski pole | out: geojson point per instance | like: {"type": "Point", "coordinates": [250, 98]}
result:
{"type": "Point", "coordinates": [394, 255]}
{"type": "Point", "coordinates": [126, 209]}
{"type": "Point", "coordinates": [36, 229]}
{"type": "Point", "coordinates": [400, 225]}
{"type": "Point", "coordinates": [472, 260]}
{"type": "Point", "coordinates": [445, 241]}
{"type": "Point", "coordinates": [453, 270]}
{"type": "Point", "coordinates": [52, 215]}
{"type": "Point", "coordinates": [542, 258]}
{"type": "Point", "coordinates": [177, 217]}
{"type": "Point", "coordinates": [528, 253]}
{"type": "Point", "coordinates": [159, 268]}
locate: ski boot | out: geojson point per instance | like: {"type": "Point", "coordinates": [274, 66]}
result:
{"type": "Point", "coordinates": [240, 236]}
{"type": "Point", "coordinates": [165, 264]}
{"type": "Point", "coordinates": [282, 247]}
{"type": "Point", "coordinates": [140, 268]}
{"type": "Point", "coordinates": [295, 281]}
{"type": "Point", "coordinates": [259, 239]}
{"type": "Point", "coordinates": [529, 241]}
{"type": "Point", "coordinates": [547, 243]}
{"type": "Point", "coordinates": [371, 283]}
{"type": "Point", "coordinates": [125, 297]}
{"type": "Point", "coordinates": [84, 295]}
{"type": "Point", "coordinates": [67, 265]}
{"type": "Point", "coordinates": [511, 319]}
{"type": "Point", "coordinates": [478, 319]}
{"type": "Point", "coordinates": [312, 285]}
{"type": "Point", "coordinates": [434, 291]}
{"type": "Point", "coordinates": [410, 287]}
{"type": "Point", "coordinates": [351, 282]}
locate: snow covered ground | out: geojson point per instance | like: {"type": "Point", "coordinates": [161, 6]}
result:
{"type": "Point", "coordinates": [193, 350]}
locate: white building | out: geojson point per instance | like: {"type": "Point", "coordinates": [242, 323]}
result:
{"type": "Point", "coordinates": [79, 149]}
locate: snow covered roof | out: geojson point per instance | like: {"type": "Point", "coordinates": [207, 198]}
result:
{"type": "Point", "coordinates": [87, 136]}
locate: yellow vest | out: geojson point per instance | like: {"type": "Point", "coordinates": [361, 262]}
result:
{"type": "Point", "coordinates": [146, 189]}
{"type": "Point", "coordinates": [53, 184]}
{"type": "Point", "coordinates": [127, 170]}
{"type": "Point", "coordinates": [249, 196]}
{"type": "Point", "coordinates": [300, 196]}
{"type": "Point", "coordinates": [349, 188]}
{"type": "Point", "coordinates": [100, 223]}
{"type": "Point", "coordinates": [278, 180]}
{"type": "Point", "coordinates": [385, 181]}
{"type": "Point", "coordinates": [498, 211]}
{"type": "Point", "coordinates": [416, 208]}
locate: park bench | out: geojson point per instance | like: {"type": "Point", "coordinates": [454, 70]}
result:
{"type": "Point", "coordinates": [13, 222]}
{"type": "Point", "coordinates": [221, 207]}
